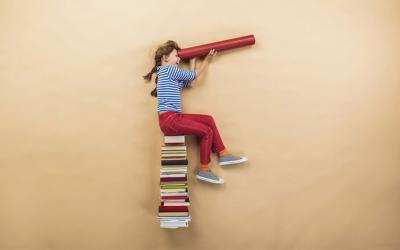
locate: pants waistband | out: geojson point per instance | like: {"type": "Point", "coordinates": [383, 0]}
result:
{"type": "Point", "coordinates": [166, 114]}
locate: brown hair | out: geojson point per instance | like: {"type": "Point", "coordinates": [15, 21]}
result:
{"type": "Point", "coordinates": [162, 50]}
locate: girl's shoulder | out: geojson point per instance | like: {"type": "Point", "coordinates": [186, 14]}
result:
{"type": "Point", "coordinates": [167, 68]}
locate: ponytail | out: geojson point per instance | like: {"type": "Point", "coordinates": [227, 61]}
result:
{"type": "Point", "coordinates": [149, 75]}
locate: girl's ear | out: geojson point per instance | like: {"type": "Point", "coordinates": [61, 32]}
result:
{"type": "Point", "coordinates": [165, 58]}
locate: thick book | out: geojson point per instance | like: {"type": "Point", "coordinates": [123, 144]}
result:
{"type": "Point", "coordinates": [174, 225]}
{"type": "Point", "coordinates": [173, 209]}
{"type": "Point", "coordinates": [172, 218]}
{"type": "Point", "coordinates": [173, 186]}
{"type": "Point", "coordinates": [175, 162]}
{"type": "Point", "coordinates": [173, 151]}
{"type": "Point", "coordinates": [174, 190]}
{"type": "Point", "coordinates": [174, 194]}
{"type": "Point", "coordinates": [174, 139]}
{"type": "Point", "coordinates": [167, 148]}
{"type": "Point", "coordinates": [172, 182]}
{"type": "Point", "coordinates": [175, 200]}
{"type": "Point", "coordinates": [175, 214]}
{"type": "Point", "coordinates": [172, 175]}
{"type": "Point", "coordinates": [173, 171]}
{"type": "Point", "coordinates": [173, 156]}
{"type": "Point", "coordinates": [175, 203]}
{"type": "Point", "coordinates": [174, 197]}
{"type": "Point", "coordinates": [172, 168]}
{"type": "Point", "coordinates": [166, 179]}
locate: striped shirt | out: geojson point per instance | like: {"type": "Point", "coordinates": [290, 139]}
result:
{"type": "Point", "coordinates": [171, 80]}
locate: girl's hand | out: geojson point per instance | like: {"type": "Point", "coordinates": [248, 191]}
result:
{"type": "Point", "coordinates": [211, 54]}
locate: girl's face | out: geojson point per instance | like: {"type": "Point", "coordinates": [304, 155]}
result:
{"type": "Point", "coordinates": [172, 58]}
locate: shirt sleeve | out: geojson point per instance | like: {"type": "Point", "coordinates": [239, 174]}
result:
{"type": "Point", "coordinates": [177, 73]}
{"type": "Point", "coordinates": [185, 83]}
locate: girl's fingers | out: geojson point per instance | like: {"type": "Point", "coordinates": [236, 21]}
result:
{"type": "Point", "coordinates": [212, 52]}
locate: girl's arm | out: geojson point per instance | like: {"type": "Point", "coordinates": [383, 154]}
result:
{"type": "Point", "coordinates": [205, 63]}
{"type": "Point", "coordinates": [193, 68]}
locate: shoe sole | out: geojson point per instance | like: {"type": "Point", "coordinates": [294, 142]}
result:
{"type": "Point", "coordinates": [233, 162]}
{"type": "Point", "coordinates": [209, 180]}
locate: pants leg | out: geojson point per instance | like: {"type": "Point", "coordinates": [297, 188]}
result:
{"type": "Point", "coordinates": [217, 144]}
{"type": "Point", "coordinates": [177, 124]}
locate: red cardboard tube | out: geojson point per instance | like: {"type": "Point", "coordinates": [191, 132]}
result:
{"type": "Point", "coordinates": [204, 49]}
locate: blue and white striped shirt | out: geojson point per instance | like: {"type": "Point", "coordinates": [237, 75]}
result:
{"type": "Point", "coordinates": [171, 80]}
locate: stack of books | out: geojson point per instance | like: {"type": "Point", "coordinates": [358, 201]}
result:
{"type": "Point", "coordinates": [173, 211]}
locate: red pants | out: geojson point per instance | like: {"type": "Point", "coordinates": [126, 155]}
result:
{"type": "Point", "coordinates": [174, 123]}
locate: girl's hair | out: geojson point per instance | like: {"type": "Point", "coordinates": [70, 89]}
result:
{"type": "Point", "coordinates": [162, 50]}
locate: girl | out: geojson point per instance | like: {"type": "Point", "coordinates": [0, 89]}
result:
{"type": "Point", "coordinates": [169, 83]}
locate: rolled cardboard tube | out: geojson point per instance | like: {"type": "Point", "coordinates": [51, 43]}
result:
{"type": "Point", "coordinates": [204, 49]}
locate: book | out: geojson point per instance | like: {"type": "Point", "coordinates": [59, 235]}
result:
{"type": "Point", "coordinates": [175, 190]}
{"type": "Point", "coordinates": [173, 225]}
{"type": "Point", "coordinates": [173, 186]}
{"type": "Point", "coordinates": [172, 175]}
{"type": "Point", "coordinates": [166, 179]}
{"type": "Point", "coordinates": [173, 152]}
{"type": "Point", "coordinates": [174, 218]}
{"type": "Point", "coordinates": [173, 148]}
{"type": "Point", "coordinates": [174, 157]}
{"type": "Point", "coordinates": [174, 197]}
{"type": "Point", "coordinates": [174, 194]}
{"type": "Point", "coordinates": [174, 139]}
{"type": "Point", "coordinates": [167, 171]}
{"type": "Point", "coordinates": [174, 162]}
{"type": "Point", "coordinates": [168, 213]}
{"type": "Point", "coordinates": [174, 168]}
{"type": "Point", "coordinates": [175, 203]}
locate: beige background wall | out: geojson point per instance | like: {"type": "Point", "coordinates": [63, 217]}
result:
{"type": "Point", "coordinates": [314, 105]}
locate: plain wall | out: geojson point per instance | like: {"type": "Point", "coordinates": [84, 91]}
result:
{"type": "Point", "coordinates": [313, 104]}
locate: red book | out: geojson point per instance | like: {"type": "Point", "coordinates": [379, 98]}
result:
{"type": "Point", "coordinates": [173, 209]}
{"type": "Point", "coordinates": [173, 179]}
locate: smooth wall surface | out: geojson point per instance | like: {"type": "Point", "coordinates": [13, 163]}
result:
{"type": "Point", "coordinates": [314, 105]}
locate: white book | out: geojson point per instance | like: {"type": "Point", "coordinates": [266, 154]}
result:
{"type": "Point", "coordinates": [173, 172]}
{"type": "Point", "coordinates": [173, 224]}
{"type": "Point", "coordinates": [174, 204]}
{"type": "Point", "coordinates": [171, 169]}
{"type": "Point", "coordinates": [174, 220]}
{"type": "Point", "coordinates": [180, 218]}
{"type": "Point", "coordinates": [172, 190]}
{"type": "Point", "coordinates": [174, 194]}
{"type": "Point", "coordinates": [177, 147]}
{"type": "Point", "coordinates": [172, 175]}
{"type": "Point", "coordinates": [174, 139]}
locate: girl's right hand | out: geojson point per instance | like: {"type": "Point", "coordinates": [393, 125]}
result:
{"type": "Point", "coordinates": [211, 54]}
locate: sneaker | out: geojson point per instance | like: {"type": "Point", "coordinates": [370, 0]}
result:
{"type": "Point", "coordinates": [209, 176]}
{"type": "Point", "coordinates": [231, 159]}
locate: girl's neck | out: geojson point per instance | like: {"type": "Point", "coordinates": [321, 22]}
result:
{"type": "Point", "coordinates": [166, 64]}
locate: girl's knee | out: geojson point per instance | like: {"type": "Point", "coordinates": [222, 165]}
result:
{"type": "Point", "coordinates": [210, 119]}
{"type": "Point", "coordinates": [209, 132]}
